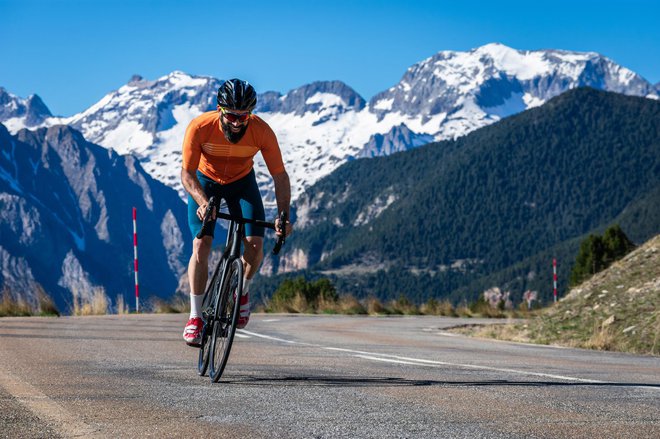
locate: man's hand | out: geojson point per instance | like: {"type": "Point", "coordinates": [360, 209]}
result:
{"type": "Point", "coordinates": [288, 229]}
{"type": "Point", "coordinates": [201, 211]}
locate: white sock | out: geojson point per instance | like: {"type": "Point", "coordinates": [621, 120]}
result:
{"type": "Point", "coordinates": [246, 285]}
{"type": "Point", "coordinates": [196, 305]}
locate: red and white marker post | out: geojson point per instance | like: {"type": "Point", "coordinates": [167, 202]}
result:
{"type": "Point", "coordinates": [135, 259]}
{"type": "Point", "coordinates": [554, 278]}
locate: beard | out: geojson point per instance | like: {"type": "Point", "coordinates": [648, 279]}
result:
{"type": "Point", "coordinates": [230, 135]}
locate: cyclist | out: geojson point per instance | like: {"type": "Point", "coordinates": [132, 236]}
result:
{"type": "Point", "coordinates": [218, 151]}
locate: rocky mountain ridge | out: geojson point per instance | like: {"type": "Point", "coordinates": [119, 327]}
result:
{"type": "Point", "coordinates": [66, 220]}
{"type": "Point", "coordinates": [324, 124]}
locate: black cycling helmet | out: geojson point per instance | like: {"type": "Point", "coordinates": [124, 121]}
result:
{"type": "Point", "coordinates": [237, 95]}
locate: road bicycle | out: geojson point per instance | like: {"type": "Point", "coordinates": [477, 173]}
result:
{"type": "Point", "coordinates": [221, 303]}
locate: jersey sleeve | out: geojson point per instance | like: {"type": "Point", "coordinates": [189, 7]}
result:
{"type": "Point", "coordinates": [192, 147]}
{"type": "Point", "coordinates": [270, 150]}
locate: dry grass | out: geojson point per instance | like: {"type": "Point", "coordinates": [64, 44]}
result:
{"type": "Point", "coordinates": [481, 308]}
{"type": "Point", "coordinates": [603, 339]}
{"type": "Point", "coordinates": [46, 305]}
{"type": "Point", "coordinates": [122, 307]}
{"type": "Point", "coordinates": [179, 303]}
{"type": "Point", "coordinates": [345, 304]}
{"type": "Point", "coordinates": [98, 304]}
{"type": "Point", "coordinates": [435, 308]}
{"type": "Point", "coordinates": [326, 306]}
{"type": "Point", "coordinates": [14, 305]}
{"type": "Point", "coordinates": [616, 310]}
{"type": "Point", "coordinates": [464, 311]}
{"type": "Point", "coordinates": [10, 306]}
{"type": "Point", "coordinates": [375, 307]}
{"type": "Point", "coordinates": [350, 305]}
{"type": "Point", "coordinates": [499, 331]}
{"type": "Point", "coordinates": [402, 306]}
{"type": "Point", "coordinates": [298, 304]}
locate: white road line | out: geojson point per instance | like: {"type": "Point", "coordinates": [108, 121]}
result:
{"type": "Point", "coordinates": [423, 362]}
{"type": "Point", "coordinates": [376, 356]}
{"type": "Point", "coordinates": [387, 360]}
{"type": "Point", "coordinates": [240, 335]}
{"type": "Point", "coordinates": [268, 337]}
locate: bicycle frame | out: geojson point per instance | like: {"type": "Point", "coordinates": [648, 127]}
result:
{"type": "Point", "coordinates": [232, 251]}
{"type": "Point", "coordinates": [215, 306]}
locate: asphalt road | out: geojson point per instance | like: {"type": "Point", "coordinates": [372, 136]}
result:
{"type": "Point", "coordinates": [313, 377]}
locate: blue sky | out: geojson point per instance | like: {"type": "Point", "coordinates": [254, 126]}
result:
{"type": "Point", "coordinates": [72, 53]}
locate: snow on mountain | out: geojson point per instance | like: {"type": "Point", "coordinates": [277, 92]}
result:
{"type": "Point", "coordinates": [445, 96]}
{"type": "Point", "coordinates": [396, 140]}
{"type": "Point", "coordinates": [323, 124]}
{"type": "Point", "coordinates": [452, 93]}
{"type": "Point", "coordinates": [17, 113]}
{"type": "Point", "coordinates": [149, 119]}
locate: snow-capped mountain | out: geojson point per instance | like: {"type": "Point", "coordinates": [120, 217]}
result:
{"type": "Point", "coordinates": [17, 113]}
{"type": "Point", "coordinates": [149, 119]}
{"type": "Point", "coordinates": [323, 124]}
{"type": "Point", "coordinates": [452, 93]}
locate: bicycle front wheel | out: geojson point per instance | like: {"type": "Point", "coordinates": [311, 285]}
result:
{"type": "Point", "coordinates": [226, 319]}
{"type": "Point", "coordinates": [207, 316]}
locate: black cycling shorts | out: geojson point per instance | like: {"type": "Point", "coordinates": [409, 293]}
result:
{"type": "Point", "coordinates": [242, 197]}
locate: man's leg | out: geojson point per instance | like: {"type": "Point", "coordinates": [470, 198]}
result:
{"type": "Point", "coordinates": [252, 255]}
{"type": "Point", "coordinates": [198, 268]}
{"type": "Point", "coordinates": [244, 198]}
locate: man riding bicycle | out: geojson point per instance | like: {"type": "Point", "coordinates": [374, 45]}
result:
{"type": "Point", "coordinates": [218, 151]}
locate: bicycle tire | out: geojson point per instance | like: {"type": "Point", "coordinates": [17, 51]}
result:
{"type": "Point", "coordinates": [208, 313]}
{"type": "Point", "coordinates": [226, 319]}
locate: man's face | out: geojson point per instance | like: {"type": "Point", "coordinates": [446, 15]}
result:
{"type": "Point", "coordinates": [234, 123]}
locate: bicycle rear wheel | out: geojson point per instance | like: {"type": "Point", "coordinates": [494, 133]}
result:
{"type": "Point", "coordinates": [226, 319]}
{"type": "Point", "coordinates": [208, 313]}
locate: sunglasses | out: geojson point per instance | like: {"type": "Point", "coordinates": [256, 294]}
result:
{"type": "Point", "coordinates": [235, 117]}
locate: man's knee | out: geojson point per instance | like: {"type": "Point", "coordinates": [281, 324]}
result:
{"type": "Point", "coordinates": [202, 248]}
{"type": "Point", "coordinates": [256, 242]}
{"type": "Point", "coordinates": [254, 249]}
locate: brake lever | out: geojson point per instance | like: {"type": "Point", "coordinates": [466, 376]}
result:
{"type": "Point", "coordinates": [282, 227]}
{"type": "Point", "coordinates": [207, 221]}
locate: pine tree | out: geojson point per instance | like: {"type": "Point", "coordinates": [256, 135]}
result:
{"type": "Point", "coordinates": [589, 259]}
{"type": "Point", "coordinates": [616, 243]}
{"type": "Point", "coordinates": [597, 253]}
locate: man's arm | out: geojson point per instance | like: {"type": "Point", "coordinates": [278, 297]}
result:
{"type": "Point", "coordinates": [283, 197]}
{"type": "Point", "coordinates": [282, 192]}
{"type": "Point", "coordinates": [192, 185]}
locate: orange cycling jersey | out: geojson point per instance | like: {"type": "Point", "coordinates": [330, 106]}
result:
{"type": "Point", "coordinates": [206, 148]}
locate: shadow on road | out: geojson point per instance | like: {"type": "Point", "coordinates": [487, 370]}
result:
{"type": "Point", "coordinates": [403, 382]}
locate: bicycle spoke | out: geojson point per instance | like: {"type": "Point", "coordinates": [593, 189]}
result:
{"type": "Point", "coordinates": [226, 319]}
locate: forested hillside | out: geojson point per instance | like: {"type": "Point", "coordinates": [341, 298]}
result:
{"type": "Point", "coordinates": [494, 206]}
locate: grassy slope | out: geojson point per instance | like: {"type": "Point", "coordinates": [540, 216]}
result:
{"type": "Point", "coordinates": [616, 309]}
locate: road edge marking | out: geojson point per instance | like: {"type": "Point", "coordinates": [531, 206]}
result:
{"type": "Point", "coordinates": [45, 408]}
{"type": "Point", "coordinates": [375, 356]}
